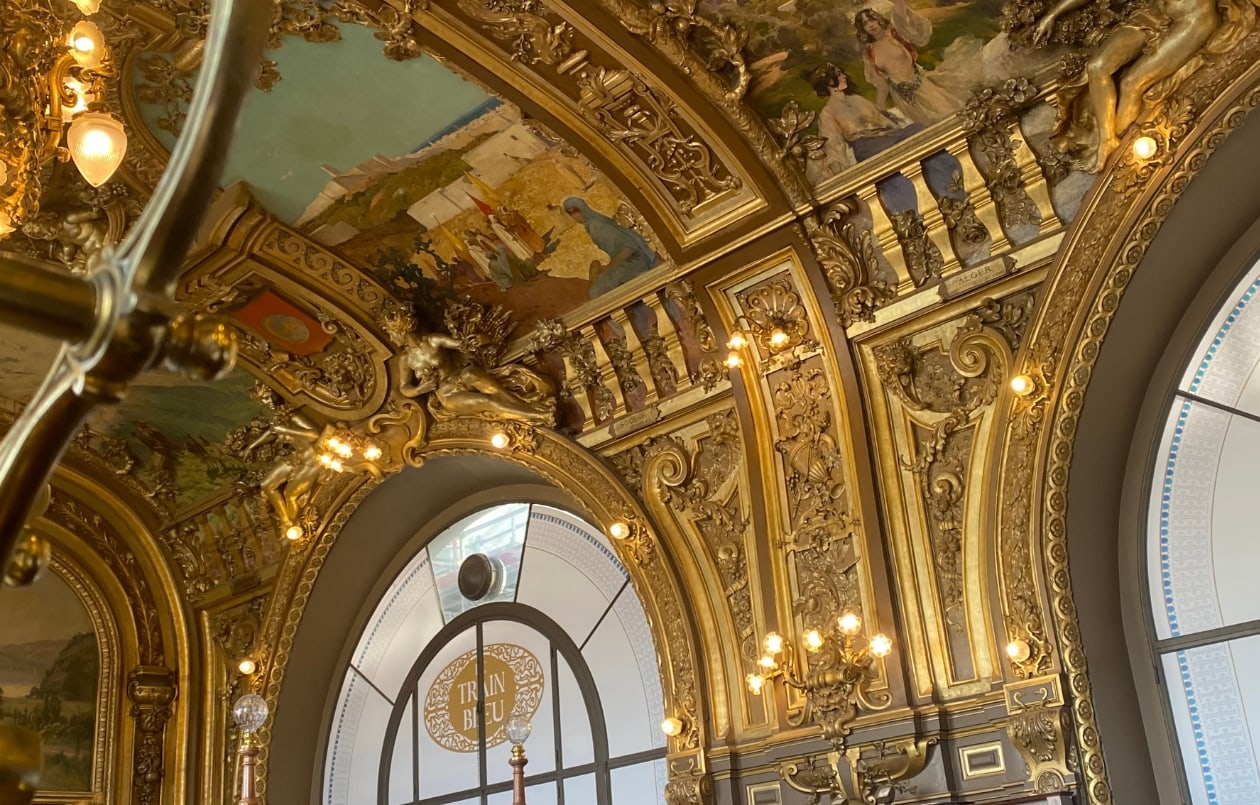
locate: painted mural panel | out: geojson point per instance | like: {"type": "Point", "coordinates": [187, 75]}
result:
{"type": "Point", "coordinates": [875, 71]}
{"type": "Point", "coordinates": [420, 176]}
{"type": "Point", "coordinates": [49, 677]}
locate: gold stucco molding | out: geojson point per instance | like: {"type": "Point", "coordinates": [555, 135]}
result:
{"type": "Point", "coordinates": [1112, 235]}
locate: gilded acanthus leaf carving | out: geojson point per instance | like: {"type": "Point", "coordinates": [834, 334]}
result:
{"type": "Point", "coordinates": [630, 112]}
{"type": "Point", "coordinates": [923, 258]}
{"type": "Point", "coordinates": [721, 44]}
{"type": "Point", "coordinates": [795, 146]}
{"type": "Point", "coordinates": [393, 25]}
{"type": "Point", "coordinates": [551, 335]}
{"type": "Point", "coordinates": [524, 23]}
{"type": "Point", "coordinates": [847, 257]}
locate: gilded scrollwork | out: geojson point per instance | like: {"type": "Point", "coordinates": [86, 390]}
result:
{"type": "Point", "coordinates": [628, 111]}
{"type": "Point", "coordinates": [776, 315]}
{"type": "Point", "coordinates": [795, 146]}
{"type": "Point", "coordinates": [847, 257]}
{"type": "Point", "coordinates": [721, 44]}
{"type": "Point", "coordinates": [551, 335]}
{"type": "Point", "coordinates": [151, 690]}
{"type": "Point", "coordinates": [393, 25]}
{"type": "Point", "coordinates": [923, 257]}
{"type": "Point", "coordinates": [531, 28]}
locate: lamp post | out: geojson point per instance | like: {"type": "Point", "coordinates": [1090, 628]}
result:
{"type": "Point", "coordinates": [518, 729]}
{"type": "Point", "coordinates": [250, 713]}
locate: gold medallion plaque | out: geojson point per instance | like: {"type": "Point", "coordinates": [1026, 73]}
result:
{"type": "Point", "coordinates": [513, 685]}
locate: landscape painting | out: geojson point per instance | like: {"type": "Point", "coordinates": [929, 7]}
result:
{"type": "Point", "coordinates": [875, 71]}
{"type": "Point", "coordinates": [450, 194]}
{"type": "Point", "coordinates": [50, 677]}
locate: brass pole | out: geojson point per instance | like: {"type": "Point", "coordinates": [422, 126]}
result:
{"type": "Point", "coordinates": [249, 758]}
{"type": "Point", "coordinates": [44, 300]}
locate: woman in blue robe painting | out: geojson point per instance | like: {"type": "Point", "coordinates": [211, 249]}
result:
{"type": "Point", "coordinates": [629, 253]}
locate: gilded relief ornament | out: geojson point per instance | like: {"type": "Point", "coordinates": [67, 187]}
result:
{"type": "Point", "coordinates": [524, 23]}
{"type": "Point", "coordinates": [721, 44]}
{"type": "Point", "coordinates": [795, 146]}
{"type": "Point", "coordinates": [551, 335]}
{"type": "Point", "coordinates": [847, 257]}
{"type": "Point", "coordinates": [458, 371]}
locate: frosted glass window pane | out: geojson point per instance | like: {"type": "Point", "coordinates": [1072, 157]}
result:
{"type": "Point", "coordinates": [521, 683]}
{"type": "Point", "coordinates": [499, 533]}
{"type": "Point", "coordinates": [408, 616]}
{"type": "Point", "coordinates": [449, 735]}
{"type": "Point", "coordinates": [580, 790]}
{"type": "Point", "coordinates": [543, 794]}
{"type": "Point", "coordinates": [1225, 363]}
{"type": "Point", "coordinates": [1216, 709]}
{"type": "Point", "coordinates": [352, 768]}
{"type": "Point", "coordinates": [402, 768]}
{"type": "Point", "coordinates": [575, 722]}
{"type": "Point", "coordinates": [638, 785]}
{"type": "Point", "coordinates": [611, 659]}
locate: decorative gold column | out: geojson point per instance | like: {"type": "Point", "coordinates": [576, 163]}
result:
{"type": "Point", "coordinates": [151, 690]}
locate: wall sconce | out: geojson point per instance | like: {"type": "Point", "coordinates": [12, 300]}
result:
{"type": "Point", "coordinates": [672, 726]}
{"type": "Point", "coordinates": [619, 530]}
{"type": "Point", "coordinates": [247, 666]}
{"type": "Point", "coordinates": [499, 440]}
{"type": "Point", "coordinates": [1145, 147]}
{"type": "Point", "coordinates": [837, 681]}
{"type": "Point", "coordinates": [1023, 385]}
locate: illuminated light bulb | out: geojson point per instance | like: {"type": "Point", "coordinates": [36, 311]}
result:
{"type": "Point", "coordinates": [881, 645]}
{"type": "Point", "coordinates": [1018, 650]}
{"type": "Point", "coordinates": [773, 642]}
{"type": "Point", "coordinates": [371, 452]}
{"type": "Point", "coordinates": [733, 361]}
{"type": "Point", "coordinates": [672, 726]}
{"type": "Point", "coordinates": [813, 640]}
{"type": "Point", "coordinates": [333, 443]}
{"type": "Point", "coordinates": [335, 465]}
{"type": "Point", "coordinates": [88, 7]}
{"type": "Point", "coordinates": [325, 459]}
{"type": "Point", "coordinates": [97, 143]}
{"type": "Point", "coordinates": [618, 530]}
{"type": "Point", "coordinates": [767, 662]}
{"type": "Point", "coordinates": [4, 176]}
{"type": "Point", "coordinates": [293, 532]}
{"type": "Point", "coordinates": [1022, 385]}
{"type": "Point", "coordinates": [738, 341]}
{"type": "Point", "coordinates": [247, 666]}
{"type": "Point", "coordinates": [344, 450]}
{"type": "Point", "coordinates": [87, 45]}
{"type": "Point", "coordinates": [778, 338]}
{"type": "Point", "coordinates": [849, 623]}
{"type": "Point", "coordinates": [755, 683]}
{"type": "Point", "coordinates": [1144, 147]}
{"type": "Point", "coordinates": [6, 224]}
{"type": "Point", "coordinates": [499, 440]}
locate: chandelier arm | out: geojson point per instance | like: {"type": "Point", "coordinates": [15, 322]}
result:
{"type": "Point", "coordinates": [40, 298]}
{"type": "Point", "coordinates": [154, 252]}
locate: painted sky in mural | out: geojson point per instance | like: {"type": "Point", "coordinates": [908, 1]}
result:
{"type": "Point", "coordinates": [875, 71]}
{"type": "Point", "coordinates": [442, 190]}
{"type": "Point", "coordinates": [49, 665]}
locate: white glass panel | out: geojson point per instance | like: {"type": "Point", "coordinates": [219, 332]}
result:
{"type": "Point", "coordinates": [568, 574]}
{"type": "Point", "coordinates": [1216, 708]}
{"type": "Point", "coordinates": [449, 734]}
{"type": "Point", "coordinates": [402, 768]}
{"type": "Point", "coordinates": [520, 683]}
{"type": "Point", "coordinates": [1179, 548]}
{"type": "Point", "coordinates": [498, 533]}
{"type": "Point", "coordinates": [575, 722]}
{"type": "Point", "coordinates": [543, 794]}
{"type": "Point", "coordinates": [628, 614]}
{"type": "Point", "coordinates": [1227, 356]}
{"type": "Point", "coordinates": [407, 617]}
{"type": "Point", "coordinates": [1235, 549]}
{"type": "Point", "coordinates": [610, 657]}
{"type": "Point", "coordinates": [580, 790]}
{"type": "Point", "coordinates": [352, 765]}
{"type": "Point", "coordinates": [637, 785]}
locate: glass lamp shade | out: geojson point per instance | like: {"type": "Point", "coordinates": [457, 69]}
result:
{"type": "Point", "coordinates": [250, 712]}
{"type": "Point", "coordinates": [88, 7]}
{"type": "Point", "coordinates": [97, 143]}
{"type": "Point", "coordinates": [6, 223]}
{"type": "Point", "coordinates": [518, 729]}
{"type": "Point", "coordinates": [87, 45]}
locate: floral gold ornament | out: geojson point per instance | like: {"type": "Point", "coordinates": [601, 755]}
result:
{"type": "Point", "coordinates": [838, 678]}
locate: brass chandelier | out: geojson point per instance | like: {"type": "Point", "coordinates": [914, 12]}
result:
{"type": "Point", "coordinates": [52, 81]}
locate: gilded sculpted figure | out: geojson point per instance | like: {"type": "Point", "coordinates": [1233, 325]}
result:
{"type": "Point", "coordinates": [289, 483]}
{"type": "Point", "coordinates": [1151, 44]}
{"type": "Point", "coordinates": [458, 370]}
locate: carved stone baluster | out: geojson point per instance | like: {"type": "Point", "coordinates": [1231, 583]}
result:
{"type": "Point", "coordinates": [1034, 181]}
{"type": "Point", "coordinates": [636, 355]}
{"type": "Point", "coordinates": [933, 221]}
{"type": "Point", "coordinates": [612, 340]}
{"type": "Point", "coordinates": [886, 238]}
{"type": "Point", "coordinates": [607, 372]}
{"type": "Point", "coordinates": [980, 197]}
{"type": "Point", "coordinates": [662, 347]}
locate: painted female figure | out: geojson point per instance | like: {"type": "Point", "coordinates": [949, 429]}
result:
{"type": "Point", "coordinates": [629, 253]}
{"type": "Point", "coordinates": [889, 51]}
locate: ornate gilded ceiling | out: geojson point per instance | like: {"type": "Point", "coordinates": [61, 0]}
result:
{"type": "Point", "coordinates": [877, 214]}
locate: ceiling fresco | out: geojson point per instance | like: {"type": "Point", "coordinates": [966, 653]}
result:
{"type": "Point", "coordinates": [446, 192]}
{"type": "Point", "coordinates": [875, 72]}
{"type": "Point", "coordinates": [178, 440]}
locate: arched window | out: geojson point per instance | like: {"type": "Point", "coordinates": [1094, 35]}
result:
{"type": "Point", "coordinates": [517, 609]}
{"type": "Point", "coordinates": [1203, 555]}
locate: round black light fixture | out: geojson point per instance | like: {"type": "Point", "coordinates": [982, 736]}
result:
{"type": "Point", "coordinates": [479, 575]}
